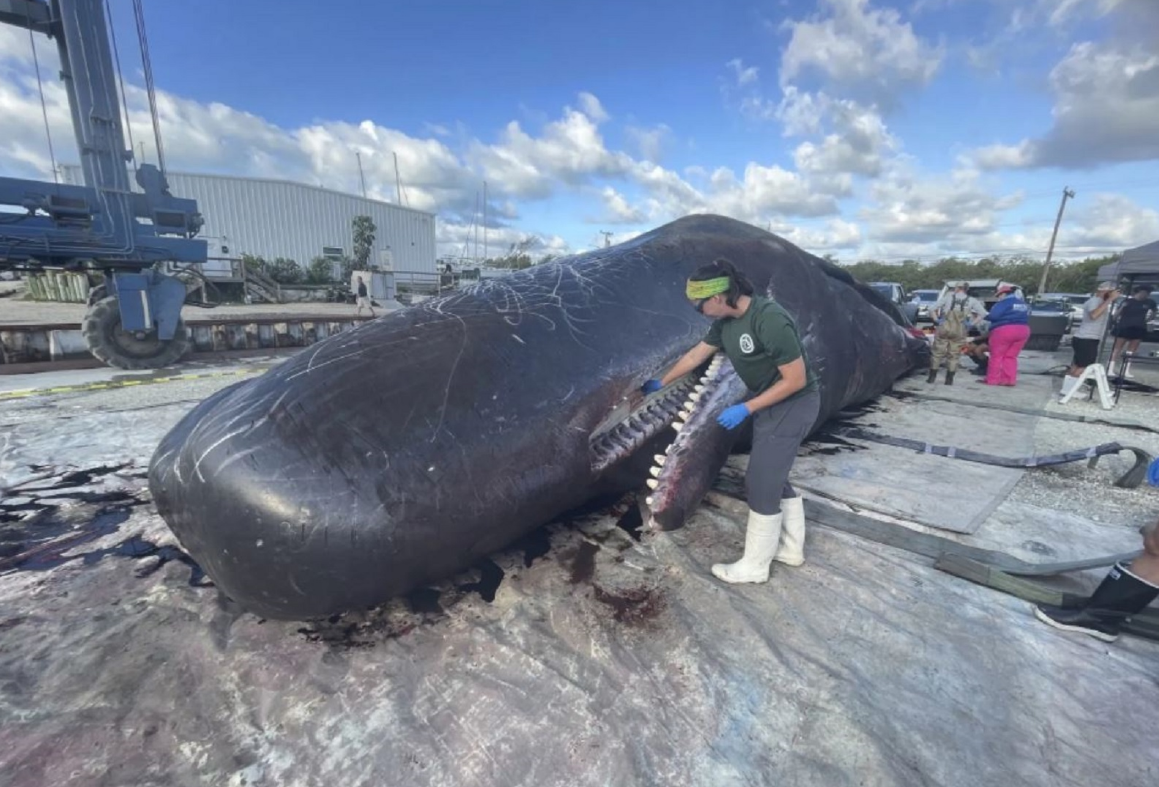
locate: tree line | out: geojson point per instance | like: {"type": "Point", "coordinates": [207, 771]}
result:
{"type": "Point", "coordinates": [1079, 276]}
{"type": "Point", "coordinates": [320, 270]}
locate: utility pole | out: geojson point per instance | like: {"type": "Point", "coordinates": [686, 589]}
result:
{"type": "Point", "coordinates": [607, 238]}
{"type": "Point", "coordinates": [1066, 194]}
{"type": "Point", "coordinates": [397, 180]}
{"type": "Point", "coordinates": [361, 177]}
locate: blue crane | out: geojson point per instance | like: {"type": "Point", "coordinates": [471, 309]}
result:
{"type": "Point", "coordinates": [124, 237]}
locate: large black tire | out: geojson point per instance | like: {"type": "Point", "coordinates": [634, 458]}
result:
{"type": "Point", "coordinates": [112, 345]}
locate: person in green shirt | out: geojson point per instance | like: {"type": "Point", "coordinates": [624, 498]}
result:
{"type": "Point", "coordinates": [761, 340]}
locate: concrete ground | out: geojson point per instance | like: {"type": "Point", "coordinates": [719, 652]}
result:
{"type": "Point", "coordinates": [590, 653]}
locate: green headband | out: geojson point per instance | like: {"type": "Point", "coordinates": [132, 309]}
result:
{"type": "Point", "coordinates": [696, 290]}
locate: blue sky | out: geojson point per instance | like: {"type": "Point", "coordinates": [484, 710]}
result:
{"type": "Point", "coordinates": [862, 128]}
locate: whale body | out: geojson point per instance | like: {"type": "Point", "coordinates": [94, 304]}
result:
{"type": "Point", "coordinates": [400, 452]}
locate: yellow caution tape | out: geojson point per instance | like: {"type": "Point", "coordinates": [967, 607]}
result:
{"type": "Point", "coordinates": [26, 392]}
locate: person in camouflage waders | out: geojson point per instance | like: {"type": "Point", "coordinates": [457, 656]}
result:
{"type": "Point", "coordinates": [953, 315]}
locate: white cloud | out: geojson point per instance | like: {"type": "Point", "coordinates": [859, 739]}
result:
{"type": "Point", "coordinates": [744, 75]}
{"type": "Point", "coordinates": [836, 234]}
{"type": "Point", "coordinates": [801, 112]}
{"type": "Point", "coordinates": [618, 209]}
{"type": "Point", "coordinates": [857, 145]}
{"type": "Point", "coordinates": [1061, 12]}
{"type": "Point", "coordinates": [649, 142]}
{"type": "Point", "coordinates": [570, 151]}
{"type": "Point", "coordinates": [867, 52]}
{"type": "Point", "coordinates": [1111, 221]}
{"type": "Point", "coordinates": [943, 211]}
{"type": "Point", "coordinates": [1106, 110]}
{"type": "Point", "coordinates": [591, 106]}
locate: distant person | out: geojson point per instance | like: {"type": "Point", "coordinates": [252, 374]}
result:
{"type": "Point", "coordinates": [978, 349]}
{"type": "Point", "coordinates": [953, 315]}
{"type": "Point", "coordinates": [1009, 330]}
{"type": "Point", "coordinates": [1131, 326]}
{"type": "Point", "coordinates": [363, 296]}
{"type": "Point", "coordinates": [1086, 337]}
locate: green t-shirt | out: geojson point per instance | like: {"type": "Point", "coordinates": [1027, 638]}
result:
{"type": "Point", "coordinates": [759, 341]}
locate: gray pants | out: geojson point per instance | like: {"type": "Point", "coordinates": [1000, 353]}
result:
{"type": "Point", "coordinates": [777, 434]}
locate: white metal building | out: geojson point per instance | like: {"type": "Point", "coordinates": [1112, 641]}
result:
{"type": "Point", "coordinates": [277, 218]}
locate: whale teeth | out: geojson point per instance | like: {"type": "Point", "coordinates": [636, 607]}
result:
{"type": "Point", "coordinates": [684, 415]}
{"type": "Point", "coordinates": [655, 471]}
{"type": "Point", "coordinates": [698, 388]}
{"type": "Point", "coordinates": [652, 483]}
{"type": "Point", "coordinates": [676, 425]}
{"type": "Point", "coordinates": [659, 458]}
{"type": "Point", "coordinates": [690, 403]}
{"type": "Point", "coordinates": [648, 500]}
{"type": "Point", "coordinates": [704, 379]}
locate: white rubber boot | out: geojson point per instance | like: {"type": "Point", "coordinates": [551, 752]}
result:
{"type": "Point", "coordinates": [1068, 384]}
{"type": "Point", "coordinates": [760, 544]}
{"type": "Point", "coordinates": [791, 551]}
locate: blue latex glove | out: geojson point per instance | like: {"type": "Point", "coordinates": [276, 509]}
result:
{"type": "Point", "coordinates": [1153, 472]}
{"type": "Point", "coordinates": [733, 416]}
{"type": "Point", "coordinates": [652, 386]}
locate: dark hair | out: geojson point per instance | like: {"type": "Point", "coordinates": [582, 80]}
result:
{"type": "Point", "coordinates": [1147, 288]}
{"type": "Point", "coordinates": [738, 283]}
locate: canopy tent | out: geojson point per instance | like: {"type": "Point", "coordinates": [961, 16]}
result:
{"type": "Point", "coordinates": [1140, 261]}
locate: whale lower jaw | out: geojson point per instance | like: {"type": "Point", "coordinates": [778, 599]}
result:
{"type": "Point", "coordinates": [670, 408]}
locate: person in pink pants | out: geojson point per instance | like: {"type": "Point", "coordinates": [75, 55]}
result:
{"type": "Point", "coordinates": [1009, 329]}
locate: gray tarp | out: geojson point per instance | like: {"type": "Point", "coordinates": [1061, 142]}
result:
{"type": "Point", "coordinates": [606, 661]}
{"type": "Point", "coordinates": [1133, 262]}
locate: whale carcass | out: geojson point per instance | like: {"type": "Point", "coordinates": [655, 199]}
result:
{"type": "Point", "coordinates": [404, 450]}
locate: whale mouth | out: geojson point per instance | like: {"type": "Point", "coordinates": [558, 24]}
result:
{"type": "Point", "coordinates": [630, 427]}
{"type": "Point", "coordinates": [676, 406]}
{"type": "Point", "coordinates": [690, 463]}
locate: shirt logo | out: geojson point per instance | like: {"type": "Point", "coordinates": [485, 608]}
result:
{"type": "Point", "coordinates": [746, 343]}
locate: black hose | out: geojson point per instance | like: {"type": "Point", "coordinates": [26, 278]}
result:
{"type": "Point", "coordinates": [1132, 479]}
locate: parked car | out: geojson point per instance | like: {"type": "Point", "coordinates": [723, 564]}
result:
{"type": "Point", "coordinates": [895, 294]}
{"type": "Point", "coordinates": [891, 290]}
{"type": "Point", "coordinates": [985, 290]}
{"type": "Point", "coordinates": [1073, 299]}
{"type": "Point", "coordinates": [1053, 308]}
{"type": "Point", "coordinates": [924, 300]}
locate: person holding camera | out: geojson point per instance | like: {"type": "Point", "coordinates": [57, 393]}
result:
{"type": "Point", "coordinates": [1086, 337]}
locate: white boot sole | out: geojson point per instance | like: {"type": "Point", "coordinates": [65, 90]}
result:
{"type": "Point", "coordinates": [725, 573]}
{"type": "Point", "coordinates": [1047, 619]}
